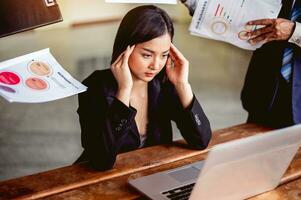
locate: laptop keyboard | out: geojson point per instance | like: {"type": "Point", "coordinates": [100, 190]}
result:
{"type": "Point", "coordinates": [179, 193]}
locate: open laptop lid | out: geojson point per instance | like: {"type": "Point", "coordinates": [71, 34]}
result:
{"type": "Point", "coordinates": [246, 167]}
{"type": "Point", "coordinates": [21, 15]}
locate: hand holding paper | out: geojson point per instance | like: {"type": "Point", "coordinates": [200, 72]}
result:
{"type": "Point", "coordinates": [226, 20]}
{"type": "Point", "coordinates": [274, 29]}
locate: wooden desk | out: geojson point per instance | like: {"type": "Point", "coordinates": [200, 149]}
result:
{"type": "Point", "coordinates": [118, 188]}
{"type": "Point", "coordinates": [80, 182]}
{"type": "Point", "coordinates": [289, 191]}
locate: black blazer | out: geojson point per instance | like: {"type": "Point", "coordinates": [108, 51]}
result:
{"type": "Point", "coordinates": [108, 126]}
{"type": "Point", "coordinates": [268, 98]}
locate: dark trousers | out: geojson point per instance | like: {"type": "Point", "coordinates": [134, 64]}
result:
{"type": "Point", "coordinates": [279, 114]}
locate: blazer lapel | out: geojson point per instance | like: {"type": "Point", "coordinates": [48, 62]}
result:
{"type": "Point", "coordinates": [296, 81]}
{"type": "Point", "coordinates": [296, 90]}
{"type": "Point", "coordinates": [154, 88]}
{"type": "Point", "coordinates": [286, 8]}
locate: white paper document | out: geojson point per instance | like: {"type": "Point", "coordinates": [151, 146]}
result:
{"type": "Point", "coordinates": [225, 20]}
{"type": "Point", "coordinates": [143, 1]}
{"type": "Point", "coordinates": [36, 77]}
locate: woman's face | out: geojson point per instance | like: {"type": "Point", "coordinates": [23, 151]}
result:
{"type": "Point", "coordinates": [148, 58]}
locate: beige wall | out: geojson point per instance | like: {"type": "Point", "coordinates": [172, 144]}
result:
{"type": "Point", "coordinates": [81, 11]}
{"type": "Point", "coordinates": [90, 10]}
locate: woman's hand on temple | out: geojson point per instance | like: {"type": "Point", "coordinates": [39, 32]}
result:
{"type": "Point", "coordinates": [177, 67]}
{"type": "Point", "coordinates": [121, 71]}
{"type": "Point", "coordinates": [177, 70]}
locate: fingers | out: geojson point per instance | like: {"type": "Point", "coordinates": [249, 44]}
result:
{"type": "Point", "coordinates": [275, 29]}
{"type": "Point", "coordinates": [124, 55]}
{"type": "Point", "coordinates": [263, 37]}
{"type": "Point", "coordinates": [260, 34]}
{"type": "Point", "coordinates": [127, 54]}
{"type": "Point", "coordinates": [169, 63]}
{"type": "Point", "coordinates": [118, 59]}
{"type": "Point", "coordinates": [280, 29]}
{"type": "Point", "coordinates": [261, 22]}
{"type": "Point", "coordinates": [177, 56]}
{"type": "Point", "coordinates": [172, 57]}
{"type": "Point", "coordinates": [270, 37]}
{"type": "Point", "coordinates": [261, 31]}
{"type": "Point", "coordinates": [176, 53]}
{"type": "Point", "coordinates": [169, 66]}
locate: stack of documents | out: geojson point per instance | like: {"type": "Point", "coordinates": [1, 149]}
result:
{"type": "Point", "coordinates": [36, 77]}
{"type": "Point", "coordinates": [225, 20]}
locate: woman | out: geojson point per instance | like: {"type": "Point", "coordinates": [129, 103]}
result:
{"type": "Point", "coordinates": [132, 104]}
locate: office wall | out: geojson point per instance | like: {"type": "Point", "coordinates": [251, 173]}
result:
{"type": "Point", "coordinates": [85, 11]}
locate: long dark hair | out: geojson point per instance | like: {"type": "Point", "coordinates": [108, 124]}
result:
{"type": "Point", "coordinates": [139, 25]}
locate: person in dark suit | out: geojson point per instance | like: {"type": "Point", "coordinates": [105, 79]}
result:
{"type": "Point", "coordinates": [131, 105]}
{"type": "Point", "coordinates": [272, 90]}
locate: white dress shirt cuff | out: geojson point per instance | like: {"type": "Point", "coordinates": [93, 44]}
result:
{"type": "Point", "coordinates": [296, 37]}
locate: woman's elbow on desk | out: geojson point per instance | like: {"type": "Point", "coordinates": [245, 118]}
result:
{"type": "Point", "coordinates": [100, 161]}
{"type": "Point", "coordinates": [202, 140]}
{"type": "Point", "coordinates": [102, 165]}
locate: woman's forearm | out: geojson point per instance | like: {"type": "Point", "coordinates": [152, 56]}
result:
{"type": "Point", "coordinates": [124, 95]}
{"type": "Point", "coordinates": [185, 93]}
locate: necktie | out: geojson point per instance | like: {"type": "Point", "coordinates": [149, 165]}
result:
{"type": "Point", "coordinates": [287, 61]}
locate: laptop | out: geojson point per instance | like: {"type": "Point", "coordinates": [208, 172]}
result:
{"type": "Point", "coordinates": [234, 170]}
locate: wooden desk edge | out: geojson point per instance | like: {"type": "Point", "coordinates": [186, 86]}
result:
{"type": "Point", "coordinates": [62, 188]}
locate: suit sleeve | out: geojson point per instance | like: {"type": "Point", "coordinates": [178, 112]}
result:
{"type": "Point", "coordinates": [103, 127]}
{"type": "Point", "coordinates": [190, 5]}
{"type": "Point", "coordinates": [192, 121]}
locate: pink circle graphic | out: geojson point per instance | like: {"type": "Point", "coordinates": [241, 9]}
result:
{"type": "Point", "coordinates": [9, 78]}
{"type": "Point", "coordinates": [36, 83]}
{"type": "Point", "coordinates": [243, 35]}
